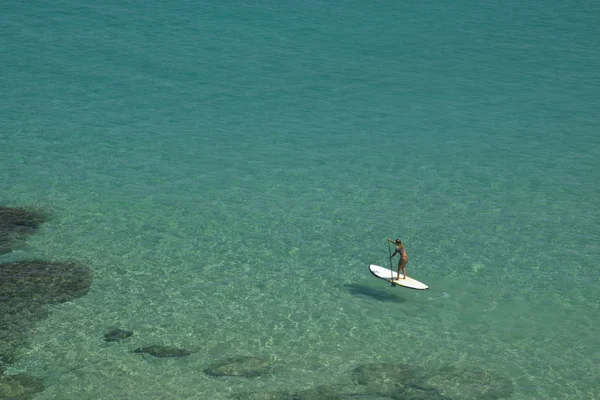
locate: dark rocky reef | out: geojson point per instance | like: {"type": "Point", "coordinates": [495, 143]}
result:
{"type": "Point", "coordinates": [43, 282]}
{"type": "Point", "coordinates": [244, 366]}
{"type": "Point", "coordinates": [16, 224]}
{"type": "Point", "coordinates": [26, 287]}
{"type": "Point", "coordinates": [163, 351]}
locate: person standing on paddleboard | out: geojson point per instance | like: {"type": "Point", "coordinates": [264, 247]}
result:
{"type": "Point", "coordinates": [403, 256]}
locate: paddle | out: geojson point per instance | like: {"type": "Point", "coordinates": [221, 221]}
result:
{"type": "Point", "coordinates": [391, 269]}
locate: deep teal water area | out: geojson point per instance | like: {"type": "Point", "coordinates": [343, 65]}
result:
{"type": "Point", "coordinates": [228, 171]}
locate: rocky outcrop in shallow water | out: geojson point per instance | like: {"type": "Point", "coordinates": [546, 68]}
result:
{"type": "Point", "coordinates": [43, 282]}
{"type": "Point", "coordinates": [16, 224]}
{"type": "Point", "coordinates": [25, 288]}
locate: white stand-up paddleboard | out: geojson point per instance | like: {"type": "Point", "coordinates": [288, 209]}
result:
{"type": "Point", "coordinates": [392, 276]}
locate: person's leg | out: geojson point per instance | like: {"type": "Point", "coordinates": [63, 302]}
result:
{"type": "Point", "coordinates": [401, 266]}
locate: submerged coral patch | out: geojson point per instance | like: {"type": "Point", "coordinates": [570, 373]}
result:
{"type": "Point", "coordinates": [42, 281]}
{"type": "Point", "coordinates": [16, 224]}
{"type": "Point", "coordinates": [25, 287]}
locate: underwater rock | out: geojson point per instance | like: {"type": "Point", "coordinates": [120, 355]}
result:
{"type": "Point", "coordinates": [117, 334]}
{"type": "Point", "coordinates": [16, 224]}
{"type": "Point", "coordinates": [470, 384]}
{"type": "Point", "coordinates": [245, 366]}
{"type": "Point", "coordinates": [25, 287]}
{"type": "Point", "coordinates": [21, 387]}
{"type": "Point", "coordinates": [42, 281]}
{"type": "Point", "coordinates": [163, 351]}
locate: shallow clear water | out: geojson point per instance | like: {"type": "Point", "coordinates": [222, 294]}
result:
{"type": "Point", "coordinates": [230, 170]}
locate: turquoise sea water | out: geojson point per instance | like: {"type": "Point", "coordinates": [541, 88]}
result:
{"type": "Point", "coordinates": [229, 170]}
